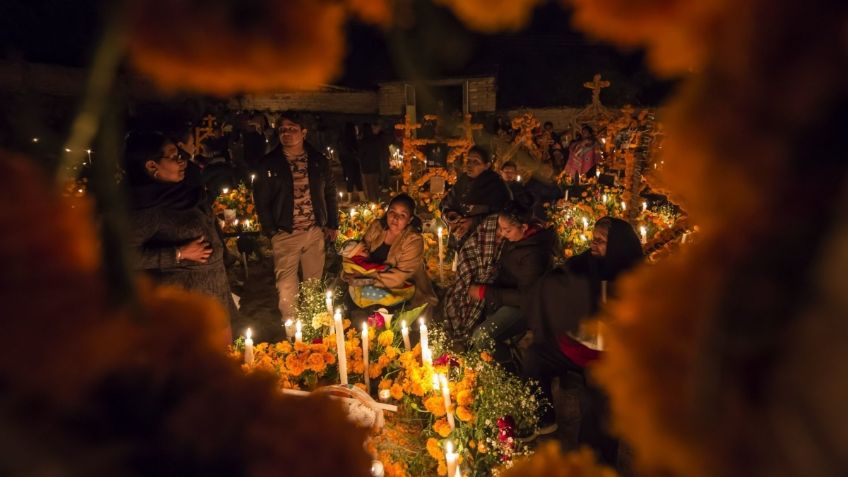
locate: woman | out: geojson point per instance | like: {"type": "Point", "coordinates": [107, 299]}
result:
{"type": "Point", "coordinates": [172, 228]}
{"type": "Point", "coordinates": [583, 154]}
{"type": "Point", "coordinates": [479, 191]}
{"type": "Point", "coordinates": [394, 243]}
{"type": "Point", "coordinates": [560, 302]}
{"type": "Point", "coordinates": [527, 255]}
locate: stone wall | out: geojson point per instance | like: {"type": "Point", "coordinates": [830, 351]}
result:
{"type": "Point", "coordinates": [327, 100]}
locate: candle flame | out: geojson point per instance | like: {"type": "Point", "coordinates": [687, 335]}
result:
{"type": "Point", "coordinates": [248, 334]}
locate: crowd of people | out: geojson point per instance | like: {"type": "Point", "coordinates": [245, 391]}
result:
{"type": "Point", "coordinates": [511, 293]}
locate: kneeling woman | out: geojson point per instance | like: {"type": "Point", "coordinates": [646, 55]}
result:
{"type": "Point", "coordinates": [390, 258]}
{"type": "Point", "coordinates": [527, 255]}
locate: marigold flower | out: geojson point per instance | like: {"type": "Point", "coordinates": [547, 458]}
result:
{"type": "Point", "coordinates": [442, 427]}
{"type": "Point", "coordinates": [464, 414]}
{"type": "Point", "coordinates": [435, 449]}
{"type": "Point", "coordinates": [315, 362]}
{"type": "Point", "coordinates": [485, 356]}
{"type": "Point", "coordinates": [397, 392]}
{"type": "Point", "coordinates": [385, 384]}
{"type": "Point", "coordinates": [464, 397]}
{"type": "Point", "coordinates": [435, 405]}
{"type": "Point", "coordinates": [386, 338]}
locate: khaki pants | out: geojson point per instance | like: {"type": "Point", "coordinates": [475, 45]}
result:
{"type": "Point", "coordinates": [299, 248]}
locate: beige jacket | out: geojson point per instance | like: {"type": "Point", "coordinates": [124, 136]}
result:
{"type": "Point", "coordinates": [406, 257]}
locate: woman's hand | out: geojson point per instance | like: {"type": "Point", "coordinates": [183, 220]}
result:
{"type": "Point", "coordinates": [198, 250]}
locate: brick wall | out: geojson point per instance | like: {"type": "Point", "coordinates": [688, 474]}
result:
{"type": "Point", "coordinates": [482, 93]}
{"type": "Point", "coordinates": [349, 102]}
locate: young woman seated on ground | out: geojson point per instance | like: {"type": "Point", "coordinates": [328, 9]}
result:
{"type": "Point", "coordinates": [562, 300]}
{"type": "Point", "coordinates": [387, 268]}
{"type": "Point", "coordinates": [527, 255]}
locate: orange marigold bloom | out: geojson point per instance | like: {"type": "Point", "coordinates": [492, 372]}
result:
{"type": "Point", "coordinates": [294, 365]}
{"type": "Point", "coordinates": [391, 352]}
{"type": "Point", "coordinates": [386, 338]}
{"type": "Point", "coordinates": [385, 384]}
{"type": "Point", "coordinates": [435, 405]}
{"type": "Point", "coordinates": [442, 469]}
{"type": "Point", "coordinates": [315, 362]}
{"type": "Point", "coordinates": [397, 392]}
{"type": "Point", "coordinates": [434, 449]}
{"type": "Point", "coordinates": [464, 414]}
{"type": "Point", "coordinates": [283, 347]}
{"type": "Point", "coordinates": [485, 356]}
{"type": "Point", "coordinates": [375, 370]}
{"type": "Point", "coordinates": [442, 427]}
{"type": "Point", "coordinates": [464, 397]}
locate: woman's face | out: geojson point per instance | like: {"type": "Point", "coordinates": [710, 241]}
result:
{"type": "Point", "coordinates": [474, 165]}
{"type": "Point", "coordinates": [170, 167]}
{"type": "Point", "coordinates": [598, 247]}
{"type": "Point", "coordinates": [511, 230]}
{"type": "Point", "coordinates": [398, 217]}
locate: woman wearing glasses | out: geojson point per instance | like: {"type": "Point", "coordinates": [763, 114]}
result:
{"type": "Point", "coordinates": [172, 229]}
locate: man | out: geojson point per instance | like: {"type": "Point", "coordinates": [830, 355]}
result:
{"type": "Point", "coordinates": [295, 196]}
{"type": "Point", "coordinates": [509, 174]}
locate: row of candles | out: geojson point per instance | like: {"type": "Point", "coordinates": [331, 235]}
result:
{"type": "Point", "coordinates": [440, 381]}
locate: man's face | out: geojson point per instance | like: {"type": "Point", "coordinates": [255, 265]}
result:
{"type": "Point", "coordinates": [291, 134]}
{"type": "Point", "coordinates": [508, 174]}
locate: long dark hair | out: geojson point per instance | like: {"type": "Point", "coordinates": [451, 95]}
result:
{"type": "Point", "coordinates": [520, 210]}
{"type": "Point", "coordinates": [409, 203]}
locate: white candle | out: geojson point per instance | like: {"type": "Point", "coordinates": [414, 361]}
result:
{"type": "Point", "coordinates": [518, 179]}
{"type": "Point", "coordinates": [597, 173]}
{"type": "Point", "coordinates": [455, 262]}
{"type": "Point", "coordinates": [405, 332]}
{"type": "Point", "coordinates": [644, 232]}
{"type": "Point", "coordinates": [252, 178]}
{"type": "Point", "coordinates": [436, 385]}
{"type": "Point", "coordinates": [248, 347]}
{"type": "Point", "coordinates": [566, 194]}
{"type": "Point", "coordinates": [289, 325]}
{"type": "Point", "coordinates": [352, 211]}
{"type": "Point", "coordinates": [644, 206]}
{"type": "Point", "coordinates": [605, 198]}
{"type": "Point", "coordinates": [365, 356]}
{"type": "Point", "coordinates": [340, 346]}
{"type": "Point", "coordinates": [446, 396]}
{"type": "Point", "coordinates": [298, 335]}
{"type": "Point", "coordinates": [439, 232]}
{"type": "Point", "coordinates": [426, 357]}
{"type": "Point", "coordinates": [458, 473]}
{"type": "Point", "coordinates": [623, 205]}
{"type": "Point", "coordinates": [329, 301]}
{"type": "Point", "coordinates": [585, 223]}
{"type": "Point", "coordinates": [450, 458]}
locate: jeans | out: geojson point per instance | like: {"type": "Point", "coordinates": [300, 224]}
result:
{"type": "Point", "coordinates": [506, 322]}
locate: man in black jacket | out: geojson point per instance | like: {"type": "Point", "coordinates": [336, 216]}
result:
{"type": "Point", "coordinates": [295, 196]}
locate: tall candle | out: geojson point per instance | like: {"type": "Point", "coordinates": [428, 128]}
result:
{"type": "Point", "coordinates": [329, 301]}
{"type": "Point", "coordinates": [446, 396]}
{"type": "Point", "coordinates": [585, 223]}
{"type": "Point", "coordinates": [450, 458]}
{"type": "Point", "coordinates": [365, 356]}
{"type": "Point", "coordinates": [441, 255]}
{"type": "Point", "coordinates": [248, 347]}
{"type": "Point", "coordinates": [405, 332]}
{"type": "Point", "coordinates": [566, 194]}
{"type": "Point", "coordinates": [605, 198]}
{"type": "Point", "coordinates": [644, 232]}
{"type": "Point", "coordinates": [455, 262]}
{"type": "Point", "coordinates": [289, 325]}
{"type": "Point", "coordinates": [623, 205]}
{"type": "Point", "coordinates": [340, 346]}
{"type": "Point", "coordinates": [644, 206]}
{"type": "Point", "coordinates": [298, 335]}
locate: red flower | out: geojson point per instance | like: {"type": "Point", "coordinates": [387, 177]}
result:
{"type": "Point", "coordinates": [318, 340]}
{"type": "Point", "coordinates": [376, 320]}
{"type": "Point", "coordinates": [446, 359]}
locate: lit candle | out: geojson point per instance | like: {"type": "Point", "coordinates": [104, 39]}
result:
{"type": "Point", "coordinates": [623, 205]}
{"type": "Point", "coordinates": [426, 357]}
{"type": "Point", "coordinates": [248, 347]}
{"type": "Point", "coordinates": [405, 332]}
{"type": "Point", "coordinates": [436, 385]}
{"type": "Point", "coordinates": [566, 194]}
{"type": "Point", "coordinates": [439, 232]}
{"type": "Point", "coordinates": [246, 223]}
{"type": "Point", "coordinates": [225, 190]}
{"type": "Point", "coordinates": [365, 356]}
{"type": "Point", "coordinates": [455, 263]}
{"type": "Point", "coordinates": [298, 335]}
{"type": "Point", "coordinates": [446, 396]}
{"type": "Point", "coordinates": [450, 458]}
{"type": "Point", "coordinates": [352, 211]}
{"type": "Point", "coordinates": [458, 473]}
{"type": "Point", "coordinates": [644, 206]}
{"type": "Point", "coordinates": [329, 302]}
{"type": "Point", "coordinates": [605, 198]}
{"type": "Point", "coordinates": [340, 346]}
{"type": "Point", "coordinates": [597, 173]}
{"type": "Point", "coordinates": [252, 178]}
{"type": "Point", "coordinates": [644, 232]}
{"type": "Point", "coordinates": [518, 178]}
{"type": "Point", "coordinates": [585, 223]}
{"type": "Point", "coordinates": [289, 325]}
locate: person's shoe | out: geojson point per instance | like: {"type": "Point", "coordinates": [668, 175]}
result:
{"type": "Point", "coordinates": [544, 429]}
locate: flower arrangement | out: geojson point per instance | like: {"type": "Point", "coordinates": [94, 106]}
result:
{"type": "Point", "coordinates": [235, 207]}
{"type": "Point", "coordinates": [462, 398]}
{"type": "Point", "coordinates": [354, 221]}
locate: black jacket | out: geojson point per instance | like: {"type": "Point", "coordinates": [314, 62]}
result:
{"type": "Point", "coordinates": [273, 196]}
{"type": "Point", "coordinates": [521, 265]}
{"type": "Point", "coordinates": [485, 194]}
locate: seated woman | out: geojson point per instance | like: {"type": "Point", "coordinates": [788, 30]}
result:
{"type": "Point", "coordinates": [563, 299]}
{"type": "Point", "coordinates": [172, 229]}
{"type": "Point", "coordinates": [479, 191]}
{"type": "Point", "coordinates": [526, 256]}
{"type": "Point", "coordinates": [387, 267]}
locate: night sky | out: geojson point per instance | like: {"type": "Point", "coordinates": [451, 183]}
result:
{"type": "Point", "coordinates": [543, 65]}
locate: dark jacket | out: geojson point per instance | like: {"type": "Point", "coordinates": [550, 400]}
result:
{"type": "Point", "coordinates": [374, 152]}
{"type": "Point", "coordinates": [521, 265]}
{"type": "Point", "coordinates": [485, 194]}
{"type": "Point", "coordinates": [273, 195]}
{"type": "Point", "coordinates": [164, 217]}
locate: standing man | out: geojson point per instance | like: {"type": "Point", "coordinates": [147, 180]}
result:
{"type": "Point", "coordinates": [295, 196]}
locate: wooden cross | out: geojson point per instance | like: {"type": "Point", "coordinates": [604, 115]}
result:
{"type": "Point", "coordinates": [596, 85]}
{"type": "Point", "coordinates": [204, 131]}
{"type": "Point", "coordinates": [468, 127]}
